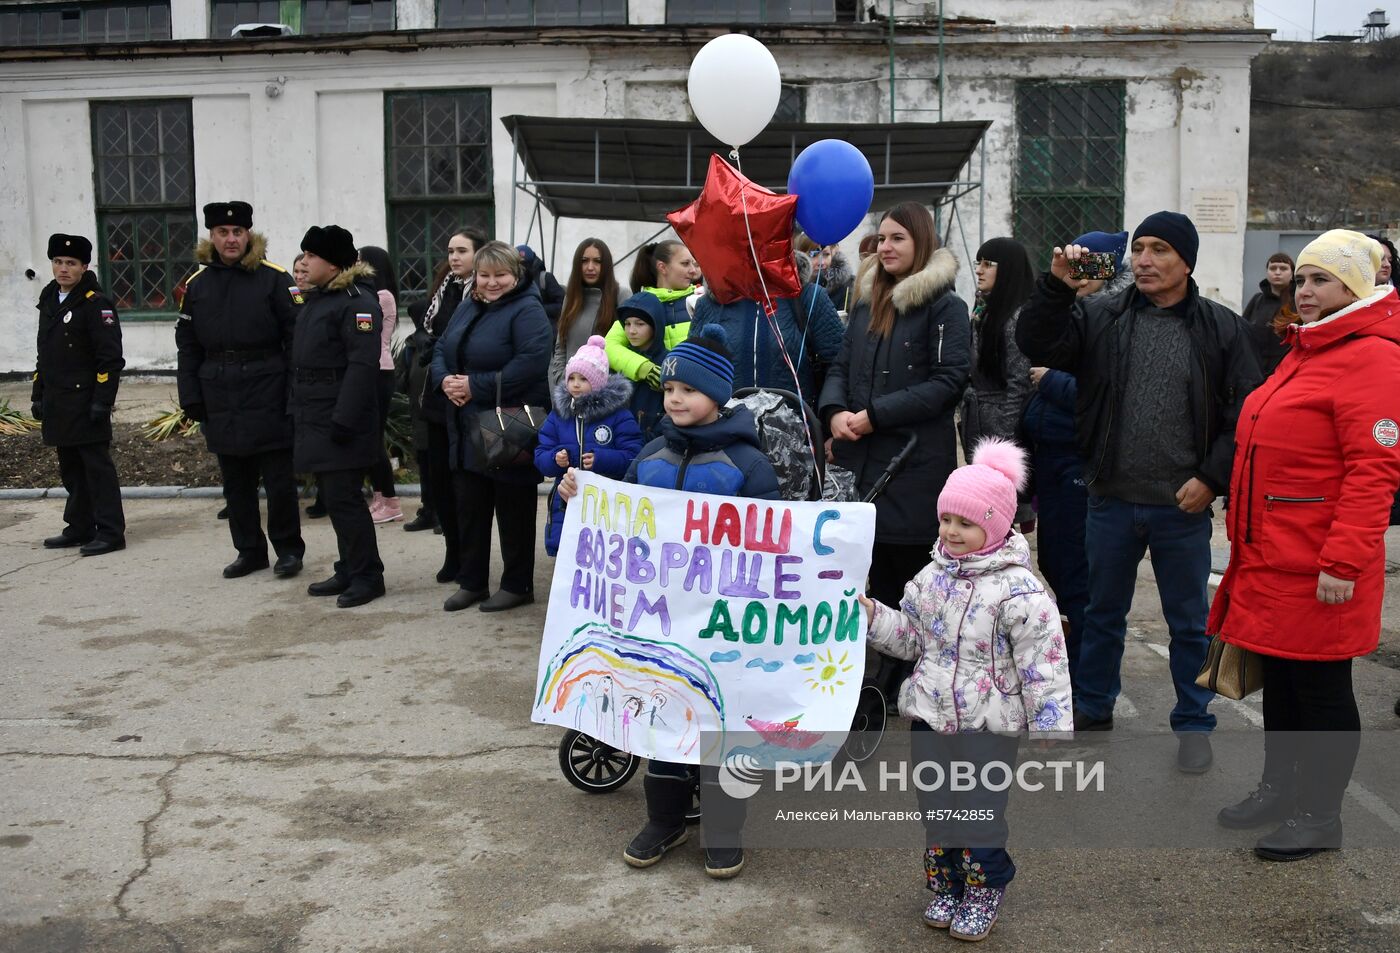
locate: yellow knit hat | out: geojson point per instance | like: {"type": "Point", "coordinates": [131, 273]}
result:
{"type": "Point", "coordinates": [1352, 257]}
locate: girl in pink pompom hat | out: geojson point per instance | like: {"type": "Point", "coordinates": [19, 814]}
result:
{"type": "Point", "coordinates": [991, 666]}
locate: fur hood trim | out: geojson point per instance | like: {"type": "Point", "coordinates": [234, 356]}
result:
{"type": "Point", "coordinates": [614, 396]}
{"type": "Point", "coordinates": [358, 271]}
{"type": "Point", "coordinates": [837, 273]}
{"type": "Point", "coordinates": [255, 255]}
{"type": "Point", "coordinates": [918, 289]}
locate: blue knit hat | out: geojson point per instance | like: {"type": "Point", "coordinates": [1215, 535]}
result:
{"type": "Point", "coordinates": [703, 362]}
{"type": "Point", "coordinates": [1115, 244]}
{"type": "Point", "coordinates": [1176, 230]}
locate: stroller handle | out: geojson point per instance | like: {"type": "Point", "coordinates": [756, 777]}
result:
{"type": "Point", "coordinates": [896, 464]}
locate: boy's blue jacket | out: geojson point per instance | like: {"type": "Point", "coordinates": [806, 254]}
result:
{"type": "Point", "coordinates": [599, 423]}
{"type": "Point", "coordinates": [1049, 416]}
{"type": "Point", "coordinates": [723, 457]}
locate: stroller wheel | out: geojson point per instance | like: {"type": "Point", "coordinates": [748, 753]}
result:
{"type": "Point", "coordinates": [868, 725]}
{"type": "Point", "coordinates": [592, 766]}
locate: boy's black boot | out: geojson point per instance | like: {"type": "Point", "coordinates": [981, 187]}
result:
{"type": "Point", "coordinates": [667, 801]}
{"type": "Point", "coordinates": [723, 830]}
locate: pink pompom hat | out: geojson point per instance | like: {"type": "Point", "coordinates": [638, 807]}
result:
{"type": "Point", "coordinates": [591, 361]}
{"type": "Point", "coordinates": [984, 491]}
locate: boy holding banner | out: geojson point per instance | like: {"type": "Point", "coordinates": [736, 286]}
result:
{"type": "Point", "coordinates": [702, 447]}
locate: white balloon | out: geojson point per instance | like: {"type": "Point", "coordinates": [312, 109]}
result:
{"type": "Point", "coordinates": [734, 86]}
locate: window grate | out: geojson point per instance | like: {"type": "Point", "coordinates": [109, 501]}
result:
{"type": "Point", "coordinates": [439, 177]}
{"type": "Point", "coordinates": [1069, 168]}
{"type": "Point", "coordinates": [133, 21]}
{"type": "Point", "coordinates": [750, 11]}
{"type": "Point", "coordinates": [459, 14]}
{"type": "Point", "coordinates": [143, 158]}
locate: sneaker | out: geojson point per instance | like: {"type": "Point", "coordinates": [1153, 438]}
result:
{"type": "Point", "coordinates": [976, 913]}
{"type": "Point", "coordinates": [389, 510]}
{"type": "Point", "coordinates": [941, 909]}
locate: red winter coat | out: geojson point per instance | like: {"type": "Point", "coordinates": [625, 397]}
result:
{"type": "Point", "coordinates": [1315, 472]}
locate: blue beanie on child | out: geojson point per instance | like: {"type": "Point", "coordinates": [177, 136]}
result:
{"type": "Point", "coordinates": [702, 361]}
{"type": "Point", "coordinates": [1114, 243]}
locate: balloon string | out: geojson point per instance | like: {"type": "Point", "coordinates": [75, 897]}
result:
{"type": "Point", "coordinates": [770, 311]}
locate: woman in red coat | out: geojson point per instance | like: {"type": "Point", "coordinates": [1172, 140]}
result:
{"type": "Point", "coordinates": [1316, 468]}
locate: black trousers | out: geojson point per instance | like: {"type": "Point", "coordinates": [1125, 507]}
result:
{"type": "Point", "coordinates": [1312, 730]}
{"type": "Point", "coordinates": [354, 529]}
{"type": "Point", "coordinates": [241, 475]}
{"type": "Point", "coordinates": [94, 507]}
{"type": "Point", "coordinates": [427, 502]}
{"type": "Point", "coordinates": [514, 507]}
{"type": "Point", "coordinates": [891, 566]}
{"type": "Point", "coordinates": [439, 476]}
{"type": "Point", "coordinates": [381, 475]}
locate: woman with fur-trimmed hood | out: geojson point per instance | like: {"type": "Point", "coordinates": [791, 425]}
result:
{"type": "Point", "coordinates": [902, 369]}
{"type": "Point", "coordinates": [590, 427]}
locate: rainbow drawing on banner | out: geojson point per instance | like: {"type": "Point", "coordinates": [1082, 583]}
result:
{"type": "Point", "coordinates": [631, 691]}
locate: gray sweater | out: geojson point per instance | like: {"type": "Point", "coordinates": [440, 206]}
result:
{"type": "Point", "coordinates": [579, 332]}
{"type": "Point", "coordinates": [1153, 448]}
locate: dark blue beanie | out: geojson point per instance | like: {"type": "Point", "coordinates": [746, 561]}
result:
{"type": "Point", "coordinates": [1115, 244]}
{"type": "Point", "coordinates": [1176, 230]}
{"type": "Point", "coordinates": [702, 361]}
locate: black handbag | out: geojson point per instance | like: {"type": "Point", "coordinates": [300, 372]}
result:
{"type": "Point", "coordinates": [506, 436]}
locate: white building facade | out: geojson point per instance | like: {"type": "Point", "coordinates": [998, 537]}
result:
{"type": "Point", "coordinates": [121, 118]}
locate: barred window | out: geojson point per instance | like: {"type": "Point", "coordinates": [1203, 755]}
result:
{"type": "Point", "coordinates": [792, 104]}
{"type": "Point", "coordinates": [750, 11]}
{"type": "Point", "coordinates": [470, 13]}
{"type": "Point", "coordinates": [1069, 168]}
{"type": "Point", "coordinates": [144, 163]}
{"type": "Point", "coordinates": [438, 176]}
{"type": "Point", "coordinates": [224, 15]}
{"type": "Point", "coordinates": [346, 16]}
{"type": "Point", "coordinates": [37, 24]}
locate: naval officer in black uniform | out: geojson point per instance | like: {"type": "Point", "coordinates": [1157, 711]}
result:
{"type": "Point", "coordinates": [234, 337]}
{"type": "Point", "coordinates": [335, 359]}
{"type": "Point", "coordinates": [75, 386]}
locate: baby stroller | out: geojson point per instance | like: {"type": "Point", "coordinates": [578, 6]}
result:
{"type": "Point", "coordinates": [595, 767]}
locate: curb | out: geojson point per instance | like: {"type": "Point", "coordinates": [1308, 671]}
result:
{"type": "Point", "coordinates": [180, 492]}
{"type": "Point", "coordinates": [154, 492]}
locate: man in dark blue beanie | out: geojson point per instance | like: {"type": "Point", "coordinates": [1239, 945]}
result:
{"type": "Point", "coordinates": [1162, 372]}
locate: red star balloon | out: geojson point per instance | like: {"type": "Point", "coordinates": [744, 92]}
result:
{"type": "Point", "coordinates": [714, 230]}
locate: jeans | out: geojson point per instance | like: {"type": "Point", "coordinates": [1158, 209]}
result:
{"type": "Point", "coordinates": [1118, 533]}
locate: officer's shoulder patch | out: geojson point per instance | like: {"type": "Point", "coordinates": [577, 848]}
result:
{"type": "Point", "coordinates": [274, 266]}
{"type": "Point", "coordinates": [90, 294]}
{"type": "Point", "coordinates": [364, 322]}
{"type": "Point", "coordinates": [295, 292]}
{"type": "Point", "coordinates": [109, 316]}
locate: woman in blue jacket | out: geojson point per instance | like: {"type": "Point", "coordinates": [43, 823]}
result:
{"type": "Point", "coordinates": [495, 351]}
{"type": "Point", "coordinates": [591, 427]}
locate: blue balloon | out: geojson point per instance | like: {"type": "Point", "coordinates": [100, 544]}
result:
{"type": "Point", "coordinates": [834, 187]}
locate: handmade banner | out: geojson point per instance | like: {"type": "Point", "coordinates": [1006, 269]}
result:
{"type": "Point", "coordinates": [677, 618]}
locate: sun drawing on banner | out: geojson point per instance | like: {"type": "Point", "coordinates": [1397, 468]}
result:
{"type": "Point", "coordinates": [827, 672]}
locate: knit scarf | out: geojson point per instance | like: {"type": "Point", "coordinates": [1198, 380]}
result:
{"type": "Point", "coordinates": [435, 305]}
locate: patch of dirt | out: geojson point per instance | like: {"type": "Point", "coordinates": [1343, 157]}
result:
{"type": "Point", "coordinates": [179, 461]}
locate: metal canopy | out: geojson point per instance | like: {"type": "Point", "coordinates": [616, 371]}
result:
{"type": "Point", "coordinates": [638, 170]}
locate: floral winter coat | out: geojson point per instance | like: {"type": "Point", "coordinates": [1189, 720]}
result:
{"type": "Point", "coordinates": [991, 654]}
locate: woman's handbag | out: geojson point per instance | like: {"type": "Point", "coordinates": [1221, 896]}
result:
{"type": "Point", "coordinates": [1230, 670]}
{"type": "Point", "coordinates": [506, 436]}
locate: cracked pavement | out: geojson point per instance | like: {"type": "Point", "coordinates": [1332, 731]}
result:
{"type": "Point", "coordinates": [189, 763]}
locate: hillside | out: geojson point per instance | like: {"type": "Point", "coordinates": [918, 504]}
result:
{"type": "Point", "coordinates": [1325, 135]}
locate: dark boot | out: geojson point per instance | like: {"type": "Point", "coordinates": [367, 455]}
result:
{"type": "Point", "coordinates": [333, 586]}
{"type": "Point", "coordinates": [723, 830]}
{"type": "Point", "coordinates": [1266, 804]}
{"type": "Point", "coordinates": [426, 519]}
{"type": "Point", "coordinates": [1302, 835]}
{"type": "Point", "coordinates": [667, 800]}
